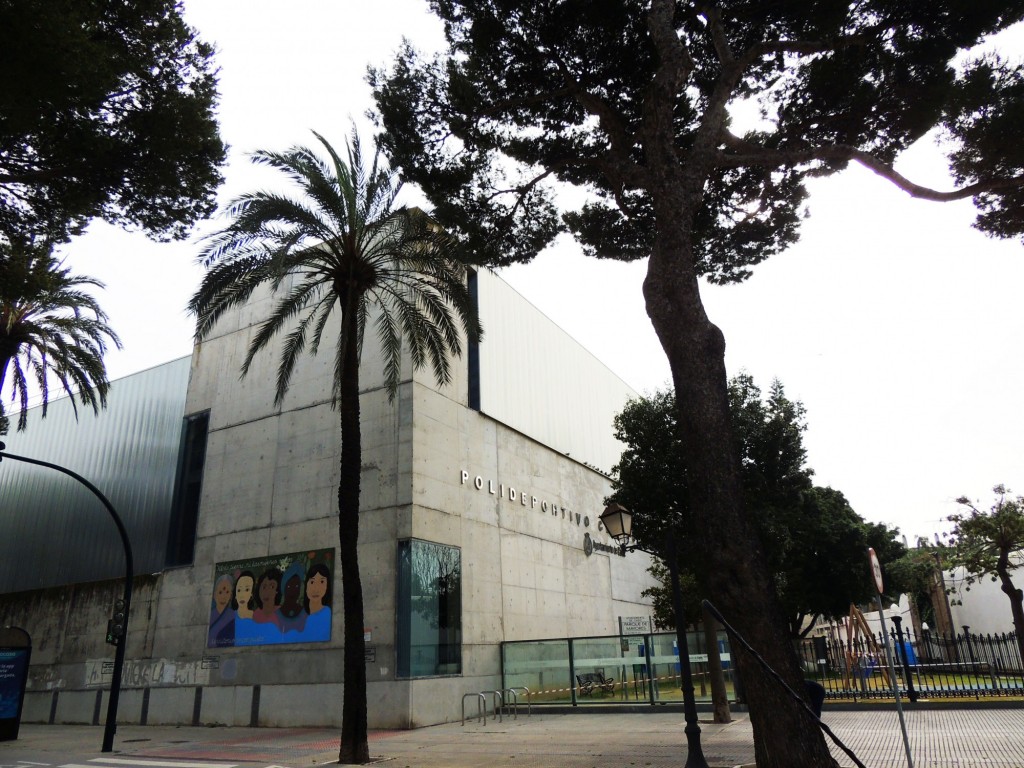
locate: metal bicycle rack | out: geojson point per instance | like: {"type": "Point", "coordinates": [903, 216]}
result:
{"type": "Point", "coordinates": [500, 702]}
{"type": "Point", "coordinates": [515, 701]}
{"type": "Point", "coordinates": [481, 706]}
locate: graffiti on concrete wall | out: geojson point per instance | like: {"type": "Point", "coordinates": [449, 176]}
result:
{"type": "Point", "coordinates": [145, 673]}
{"type": "Point", "coordinates": [272, 600]}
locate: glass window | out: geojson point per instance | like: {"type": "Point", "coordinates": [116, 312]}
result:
{"type": "Point", "coordinates": [473, 348]}
{"type": "Point", "coordinates": [181, 534]}
{"type": "Point", "coordinates": [429, 622]}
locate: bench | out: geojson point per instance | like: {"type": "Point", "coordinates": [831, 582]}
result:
{"type": "Point", "coordinates": [590, 681]}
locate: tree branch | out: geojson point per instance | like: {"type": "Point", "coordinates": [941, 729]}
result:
{"type": "Point", "coordinates": [497, 108]}
{"type": "Point", "coordinates": [713, 121]}
{"type": "Point", "coordinates": [926, 193]}
{"type": "Point", "coordinates": [750, 154]}
{"type": "Point", "coordinates": [522, 189]}
{"type": "Point", "coordinates": [718, 36]}
{"type": "Point", "coordinates": [674, 66]}
{"type": "Point", "coordinates": [805, 47]}
{"type": "Point", "coordinates": [33, 177]}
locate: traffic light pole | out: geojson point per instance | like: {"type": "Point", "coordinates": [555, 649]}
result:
{"type": "Point", "coordinates": [115, 681]}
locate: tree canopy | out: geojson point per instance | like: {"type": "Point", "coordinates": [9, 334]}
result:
{"type": "Point", "coordinates": [990, 543]}
{"type": "Point", "coordinates": [629, 101]}
{"type": "Point", "coordinates": [107, 109]}
{"type": "Point", "coordinates": [569, 92]}
{"type": "Point", "coordinates": [918, 575]}
{"type": "Point", "coordinates": [814, 541]}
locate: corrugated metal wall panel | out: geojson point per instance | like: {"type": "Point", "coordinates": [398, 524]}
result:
{"type": "Point", "coordinates": [55, 531]}
{"type": "Point", "coordinates": [537, 379]}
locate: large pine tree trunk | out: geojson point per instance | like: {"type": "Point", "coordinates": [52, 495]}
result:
{"type": "Point", "coordinates": [354, 743]}
{"type": "Point", "coordinates": [735, 570]}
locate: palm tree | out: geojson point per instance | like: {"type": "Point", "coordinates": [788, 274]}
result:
{"type": "Point", "coordinates": [346, 248]}
{"type": "Point", "coordinates": [49, 328]}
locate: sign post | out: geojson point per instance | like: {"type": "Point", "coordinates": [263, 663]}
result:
{"type": "Point", "coordinates": [635, 625]}
{"type": "Point", "coordinates": [876, 573]}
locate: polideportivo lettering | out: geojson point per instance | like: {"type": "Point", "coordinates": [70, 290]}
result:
{"type": "Point", "coordinates": [526, 500]}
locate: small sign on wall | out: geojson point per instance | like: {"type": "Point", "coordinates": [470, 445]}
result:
{"type": "Point", "coordinates": [634, 625]}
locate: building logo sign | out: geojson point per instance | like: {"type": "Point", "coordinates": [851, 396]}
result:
{"type": "Point", "coordinates": [588, 545]}
{"type": "Point", "coordinates": [524, 499]}
{"type": "Point", "coordinates": [521, 498]}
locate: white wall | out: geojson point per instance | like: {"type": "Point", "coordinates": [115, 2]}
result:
{"type": "Point", "coordinates": [539, 380]}
{"type": "Point", "coordinates": [982, 606]}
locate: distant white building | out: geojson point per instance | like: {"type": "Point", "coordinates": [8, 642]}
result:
{"type": "Point", "coordinates": [982, 606]}
{"type": "Point", "coordinates": [479, 524]}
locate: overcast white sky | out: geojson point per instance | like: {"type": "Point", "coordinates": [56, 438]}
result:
{"type": "Point", "coordinates": [896, 324]}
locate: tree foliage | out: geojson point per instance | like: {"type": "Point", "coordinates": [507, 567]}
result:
{"type": "Point", "coordinates": [989, 543]}
{"type": "Point", "coordinates": [814, 541]}
{"type": "Point", "coordinates": [629, 100]}
{"type": "Point", "coordinates": [52, 331]}
{"type": "Point", "coordinates": [916, 574]}
{"type": "Point", "coordinates": [661, 595]}
{"type": "Point", "coordinates": [528, 95]}
{"type": "Point", "coordinates": [340, 248]}
{"type": "Point", "coordinates": [106, 110]}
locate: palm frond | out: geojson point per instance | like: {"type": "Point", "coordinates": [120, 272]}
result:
{"type": "Point", "coordinates": [50, 328]}
{"type": "Point", "coordinates": [338, 239]}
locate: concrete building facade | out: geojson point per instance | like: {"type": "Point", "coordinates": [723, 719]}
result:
{"type": "Point", "coordinates": [478, 525]}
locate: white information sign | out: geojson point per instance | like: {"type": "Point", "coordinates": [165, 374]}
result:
{"type": "Point", "coordinates": [635, 625]}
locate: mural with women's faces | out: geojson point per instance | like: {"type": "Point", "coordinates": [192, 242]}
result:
{"type": "Point", "coordinates": [272, 600]}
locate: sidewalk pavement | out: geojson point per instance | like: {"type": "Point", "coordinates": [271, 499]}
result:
{"type": "Point", "coordinates": [947, 738]}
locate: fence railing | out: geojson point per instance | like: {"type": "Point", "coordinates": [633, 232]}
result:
{"type": "Point", "coordinates": [931, 665]}
{"type": "Point", "coordinates": [645, 667]}
{"type": "Point", "coordinates": [635, 668]}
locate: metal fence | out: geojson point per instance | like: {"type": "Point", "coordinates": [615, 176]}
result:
{"type": "Point", "coordinates": [634, 668]}
{"type": "Point", "coordinates": [931, 665]}
{"type": "Point", "coordinates": [645, 667]}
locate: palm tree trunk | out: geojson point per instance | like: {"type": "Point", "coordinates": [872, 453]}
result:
{"type": "Point", "coordinates": [6, 355]}
{"type": "Point", "coordinates": [7, 352]}
{"type": "Point", "coordinates": [354, 743]}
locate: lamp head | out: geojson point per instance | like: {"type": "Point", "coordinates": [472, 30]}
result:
{"type": "Point", "coordinates": [618, 521]}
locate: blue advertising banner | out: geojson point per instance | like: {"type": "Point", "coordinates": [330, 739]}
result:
{"type": "Point", "coordinates": [13, 676]}
{"type": "Point", "coordinates": [271, 600]}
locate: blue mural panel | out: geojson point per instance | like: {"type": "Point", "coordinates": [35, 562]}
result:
{"type": "Point", "coordinates": [272, 600]}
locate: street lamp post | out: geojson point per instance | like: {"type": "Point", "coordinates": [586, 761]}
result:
{"type": "Point", "coordinates": [115, 680]}
{"type": "Point", "coordinates": [618, 521]}
{"type": "Point", "coordinates": [902, 655]}
{"type": "Point", "coordinates": [970, 649]}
